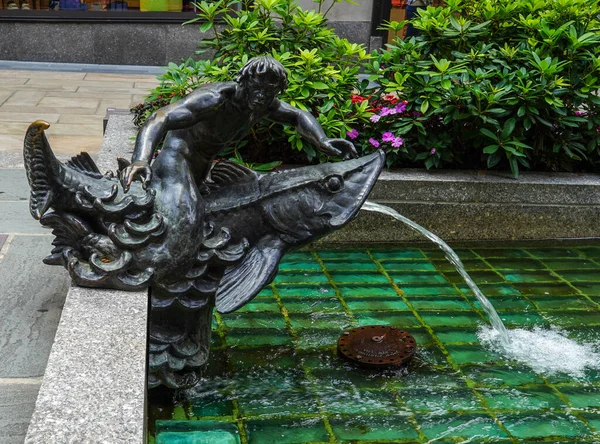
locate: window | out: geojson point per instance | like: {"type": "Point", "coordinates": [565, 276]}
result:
{"type": "Point", "coordinates": [14, 8]}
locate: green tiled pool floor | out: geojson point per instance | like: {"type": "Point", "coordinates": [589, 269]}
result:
{"type": "Point", "coordinates": [274, 375]}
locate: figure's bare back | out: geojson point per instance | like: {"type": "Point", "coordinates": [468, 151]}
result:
{"type": "Point", "coordinates": [227, 121]}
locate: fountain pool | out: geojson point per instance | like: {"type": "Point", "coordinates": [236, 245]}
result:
{"type": "Point", "coordinates": [274, 375]}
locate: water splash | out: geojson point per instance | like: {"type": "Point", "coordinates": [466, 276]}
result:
{"type": "Point", "coordinates": [547, 352]}
{"type": "Point", "coordinates": [454, 260]}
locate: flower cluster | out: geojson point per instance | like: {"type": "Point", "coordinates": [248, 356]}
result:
{"type": "Point", "coordinates": [399, 108]}
{"type": "Point", "coordinates": [386, 137]}
{"type": "Point", "coordinates": [358, 99]}
{"type": "Point", "coordinates": [381, 107]}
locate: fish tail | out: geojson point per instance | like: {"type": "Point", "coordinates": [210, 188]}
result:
{"type": "Point", "coordinates": [41, 166]}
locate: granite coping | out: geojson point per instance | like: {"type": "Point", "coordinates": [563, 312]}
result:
{"type": "Point", "coordinates": [94, 386]}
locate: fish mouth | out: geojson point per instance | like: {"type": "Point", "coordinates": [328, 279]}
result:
{"type": "Point", "coordinates": [360, 175]}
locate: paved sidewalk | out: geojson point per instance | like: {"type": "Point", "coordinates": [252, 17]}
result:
{"type": "Point", "coordinates": [74, 102]}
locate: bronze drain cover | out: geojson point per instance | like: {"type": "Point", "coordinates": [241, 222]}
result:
{"type": "Point", "coordinates": [377, 346]}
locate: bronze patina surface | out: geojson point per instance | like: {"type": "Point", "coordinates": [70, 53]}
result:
{"type": "Point", "coordinates": [377, 346]}
{"type": "Point", "coordinates": [202, 234]}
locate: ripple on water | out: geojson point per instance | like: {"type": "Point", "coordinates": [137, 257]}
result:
{"type": "Point", "coordinates": [546, 351]}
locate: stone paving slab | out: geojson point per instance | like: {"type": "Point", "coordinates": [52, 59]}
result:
{"type": "Point", "coordinates": [15, 218]}
{"type": "Point", "coordinates": [17, 401]}
{"type": "Point", "coordinates": [74, 101]}
{"type": "Point", "coordinates": [13, 185]}
{"type": "Point", "coordinates": [32, 297]}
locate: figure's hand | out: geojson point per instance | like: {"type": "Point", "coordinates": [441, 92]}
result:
{"type": "Point", "coordinates": [339, 148]}
{"type": "Point", "coordinates": [136, 169]}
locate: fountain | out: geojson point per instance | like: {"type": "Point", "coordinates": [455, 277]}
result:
{"type": "Point", "coordinates": [530, 347]}
{"type": "Point", "coordinates": [207, 235]}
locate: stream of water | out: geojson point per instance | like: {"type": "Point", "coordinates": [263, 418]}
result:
{"type": "Point", "coordinates": [454, 260]}
{"type": "Point", "coordinates": [531, 347]}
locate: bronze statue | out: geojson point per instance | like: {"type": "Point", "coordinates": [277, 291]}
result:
{"type": "Point", "coordinates": [214, 116]}
{"type": "Point", "coordinates": [202, 234]}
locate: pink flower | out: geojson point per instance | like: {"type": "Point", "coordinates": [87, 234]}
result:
{"type": "Point", "coordinates": [397, 142]}
{"type": "Point", "coordinates": [385, 111]}
{"type": "Point", "coordinates": [580, 113]}
{"type": "Point", "coordinates": [400, 108]}
{"type": "Point", "coordinates": [353, 133]}
{"type": "Point", "coordinates": [387, 137]}
{"type": "Point", "coordinates": [432, 151]}
{"type": "Point", "coordinates": [374, 118]}
{"type": "Point", "coordinates": [374, 142]}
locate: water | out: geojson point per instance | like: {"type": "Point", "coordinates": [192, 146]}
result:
{"type": "Point", "coordinates": [547, 352]}
{"type": "Point", "coordinates": [454, 260]}
{"type": "Point", "coordinates": [274, 374]}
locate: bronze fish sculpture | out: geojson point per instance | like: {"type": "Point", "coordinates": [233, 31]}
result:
{"type": "Point", "coordinates": [213, 246]}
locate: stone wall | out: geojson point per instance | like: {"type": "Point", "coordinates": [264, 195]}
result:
{"type": "Point", "coordinates": [481, 206]}
{"type": "Point", "coordinates": [152, 44]}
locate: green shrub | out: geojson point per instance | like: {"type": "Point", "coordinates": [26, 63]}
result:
{"type": "Point", "coordinates": [322, 68]}
{"type": "Point", "coordinates": [493, 82]}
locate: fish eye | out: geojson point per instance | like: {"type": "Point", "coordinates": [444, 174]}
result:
{"type": "Point", "coordinates": [334, 183]}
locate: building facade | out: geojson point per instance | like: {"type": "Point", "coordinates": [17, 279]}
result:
{"type": "Point", "coordinates": [136, 32]}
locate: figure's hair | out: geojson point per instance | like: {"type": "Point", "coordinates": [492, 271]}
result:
{"type": "Point", "coordinates": [263, 66]}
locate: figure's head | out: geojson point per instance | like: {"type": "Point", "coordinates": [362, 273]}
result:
{"type": "Point", "coordinates": [263, 77]}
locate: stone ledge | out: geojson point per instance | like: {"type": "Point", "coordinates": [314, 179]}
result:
{"type": "Point", "coordinates": [449, 186]}
{"type": "Point", "coordinates": [94, 387]}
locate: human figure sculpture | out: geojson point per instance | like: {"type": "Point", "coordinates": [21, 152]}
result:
{"type": "Point", "coordinates": [201, 234]}
{"type": "Point", "coordinates": [217, 115]}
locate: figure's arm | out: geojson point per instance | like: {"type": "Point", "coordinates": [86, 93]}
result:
{"type": "Point", "coordinates": [181, 114]}
{"type": "Point", "coordinates": [309, 128]}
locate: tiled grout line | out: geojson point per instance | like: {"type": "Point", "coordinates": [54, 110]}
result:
{"type": "Point", "coordinates": [569, 409]}
{"type": "Point", "coordinates": [333, 284]}
{"type": "Point", "coordinates": [470, 383]}
{"type": "Point", "coordinates": [455, 286]}
{"type": "Point", "coordinates": [457, 412]}
{"type": "Point", "coordinates": [565, 281]}
{"type": "Point", "coordinates": [309, 377]}
{"type": "Point", "coordinates": [237, 416]}
{"type": "Point", "coordinates": [596, 262]}
{"type": "Point", "coordinates": [338, 294]}
{"type": "Point", "coordinates": [532, 302]}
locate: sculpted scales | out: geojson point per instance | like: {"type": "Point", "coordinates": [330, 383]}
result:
{"type": "Point", "coordinates": [201, 234]}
